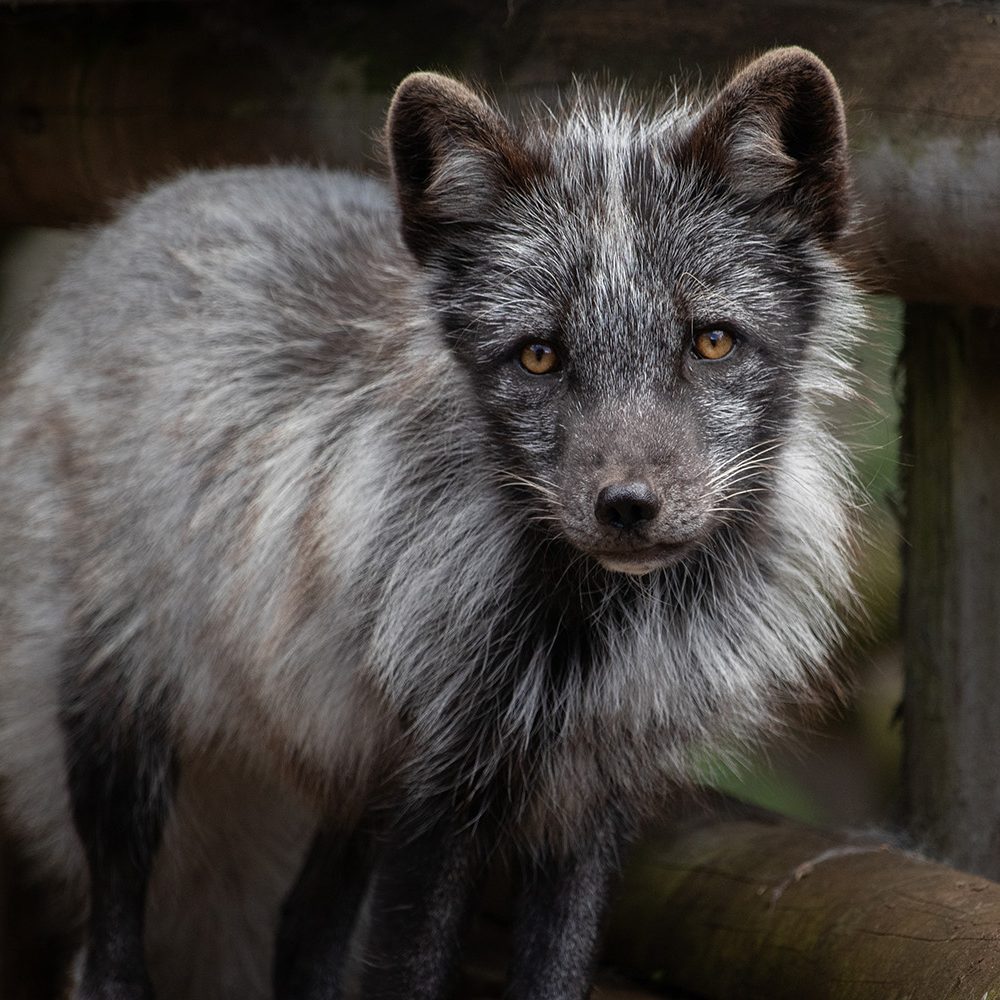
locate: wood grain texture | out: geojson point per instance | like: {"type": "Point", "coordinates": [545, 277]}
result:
{"type": "Point", "coordinates": [768, 910]}
{"type": "Point", "coordinates": [95, 101]}
{"type": "Point", "coordinates": [951, 610]}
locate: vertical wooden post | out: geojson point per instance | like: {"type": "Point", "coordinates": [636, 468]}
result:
{"type": "Point", "coordinates": [951, 602]}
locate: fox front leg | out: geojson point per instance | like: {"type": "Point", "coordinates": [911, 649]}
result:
{"type": "Point", "coordinates": [121, 775]}
{"type": "Point", "coordinates": [319, 916]}
{"type": "Point", "coordinates": [558, 920]}
{"type": "Point", "coordinates": [423, 893]}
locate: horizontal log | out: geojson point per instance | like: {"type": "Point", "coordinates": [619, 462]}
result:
{"type": "Point", "coordinates": [97, 100]}
{"type": "Point", "coordinates": [765, 909]}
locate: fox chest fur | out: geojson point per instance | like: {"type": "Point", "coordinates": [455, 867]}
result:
{"type": "Point", "coordinates": [503, 490]}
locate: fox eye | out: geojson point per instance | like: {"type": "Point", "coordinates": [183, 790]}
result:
{"type": "Point", "coordinates": [539, 358]}
{"type": "Point", "coordinates": [713, 345]}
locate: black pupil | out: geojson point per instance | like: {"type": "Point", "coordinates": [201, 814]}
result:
{"type": "Point", "coordinates": [539, 358]}
{"type": "Point", "coordinates": [715, 336]}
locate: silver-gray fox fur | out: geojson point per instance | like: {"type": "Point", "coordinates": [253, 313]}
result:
{"type": "Point", "coordinates": [270, 450]}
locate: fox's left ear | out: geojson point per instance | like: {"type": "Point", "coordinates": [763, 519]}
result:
{"type": "Point", "coordinates": [451, 155]}
{"type": "Point", "coordinates": [776, 133]}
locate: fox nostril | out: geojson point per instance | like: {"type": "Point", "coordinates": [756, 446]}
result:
{"type": "Point", "coordinates": [624, 505]}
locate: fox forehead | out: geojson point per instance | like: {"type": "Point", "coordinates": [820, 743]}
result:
{"type": "Point", "coordinates": [601, 270]}
{"type": "Point", "coordinates": [614, 227]}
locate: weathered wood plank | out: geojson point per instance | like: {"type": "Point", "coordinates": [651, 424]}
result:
{"type": "Point", "coordinates": [95, 101]}
{"type": "Point", "coordinates": [730, 901]}
{"type": "Point", "coordinates": [774, 911]}
{"type": "Point", "coordinates": [951, 610]}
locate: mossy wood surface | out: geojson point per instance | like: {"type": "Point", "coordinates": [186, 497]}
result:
{"type": "Point", "coordinates": [98, 99]}
{"type": "Point", "coordinates": [760, 910]}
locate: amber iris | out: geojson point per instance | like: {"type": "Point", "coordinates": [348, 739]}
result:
{"type": "Point", "coordinates": [539, 359]}
{"type": "Point", "coordinates": [713, 344]}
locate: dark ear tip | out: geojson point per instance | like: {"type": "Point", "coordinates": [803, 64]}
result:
{"type": "Point", "coordinates": [423, 83]}
{"type": "Point", "coordinates": [423, 88]}
{"type": "Point", "coordinates": [791, 62]}
{"type": "Point", "coordinates": [792, 57]}
{"type": "Point", "coordinates": [799, 67]}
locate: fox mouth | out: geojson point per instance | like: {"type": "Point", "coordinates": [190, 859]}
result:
{"type": "Point", "coordinates": [641, 561]}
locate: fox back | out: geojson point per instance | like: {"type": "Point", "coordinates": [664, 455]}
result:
{"type": "Point", "coordinates": [507, 487]}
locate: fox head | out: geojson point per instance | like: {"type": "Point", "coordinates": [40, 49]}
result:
{"type": "Point", "coordinates": [638, 297]}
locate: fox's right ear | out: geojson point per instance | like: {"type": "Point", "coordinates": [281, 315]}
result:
{"type": "Point", "coordinates": [776, 135]}
{"type": "Point", "coordinates": [451, 155]}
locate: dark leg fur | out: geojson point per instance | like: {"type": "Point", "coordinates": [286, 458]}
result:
{"type": "Point", "coordinates": [558, 921]}
{"type": "Point", "coordinates": [121, 777]}
{"type": "Point", "coordinates": [319, 916]}
{"type": "Point", "coordinates": [38, 937]}
{"type": "Point", "coordinates": [424, 888]}
{"type": "Point", "coordinates": [423, 893]}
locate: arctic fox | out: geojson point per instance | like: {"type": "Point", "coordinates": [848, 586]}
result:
{"type": "Point", "coordinates": [355, 533]}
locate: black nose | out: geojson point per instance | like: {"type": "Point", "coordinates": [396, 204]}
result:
{"type": "Point", "coordinates": [624, 505]}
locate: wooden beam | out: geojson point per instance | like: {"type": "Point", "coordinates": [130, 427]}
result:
{"type": "Point", "coordinates": [97, 100]}
{"type": "Point", "coordinates": [769, 910]}
{"type": "Point", "coordinates": [951, 608]}
{"type": "Point", "coordinates": [730, 900]}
